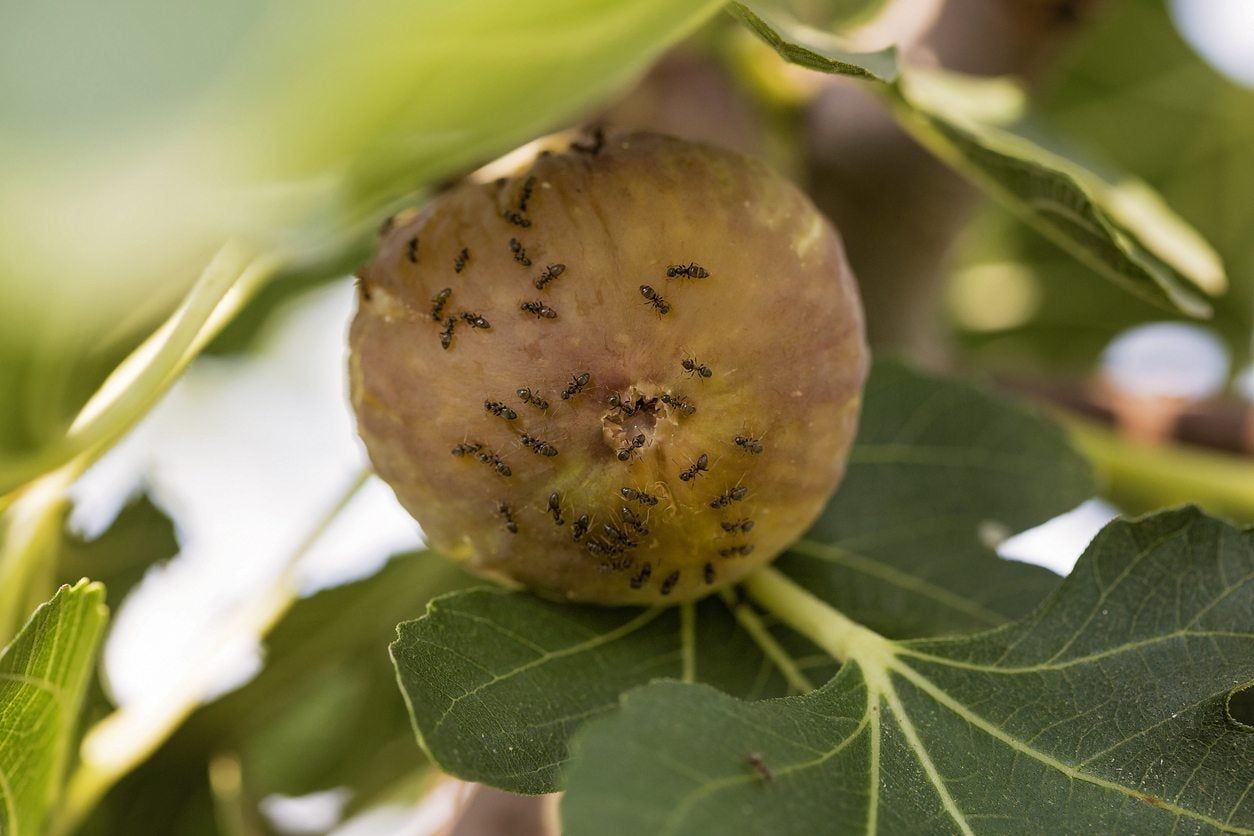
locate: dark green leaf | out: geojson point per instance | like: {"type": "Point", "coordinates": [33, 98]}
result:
{"type": "Point", "coordinates": [43, 674]}
{"type": "Point", "coordinates": [497, 682]}
{"type": "Point", "coordinates": [812, 48]}
{"type": "Point", "coordinates": [940, 472]}
{"type": "Point", "coordinates": [141, 536]}
{"type": "Point", "coordinates": [1104, 711]}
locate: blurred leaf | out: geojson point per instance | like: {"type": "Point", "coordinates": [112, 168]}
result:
{"type": "Point", "coordinates": [1144, 249]}
{"type": "Point", "coordinates": [323, 712]}
{"type": "Point", "coordinates": [1104, 711]}
{"type": "Point", "coordinates": [43, 673]}
{"type": "Point", "coordinates": [941, 472]}
{"type": "Point", "coordinates": [149, 138]}
{"type": "Point", "coordinates": [813, 49]}
{"type": "Point", "coordinates": [497, 681]}
{"type": "Point", "coordinates": [141, 536]}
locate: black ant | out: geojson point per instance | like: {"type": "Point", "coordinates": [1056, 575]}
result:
{"type": "Point", "coordinates": [642, 577]}
{"type": "Point", "coordinates": [692, 270]}
{"type": "Point", "coordinates": [550, 273]}
{"type": "Point", "coordinates": [475, 320]}
{"type": "Point", "coordinates": [520, 252]}
{"type": "Point", "coordinates": [503, 510]}
{"type": "Point", "coordinates": [438, 302]}
{"type": "Point", "coordinates": [733, 495]}
{"type": "Point", "coordinates": [516, 218]}
{"type": "Point", "coordinates": [749, 445]}
{"type": "Point", "coordinates": [691, 366]}
{"type": "Point", "coordinates": [746, 549]}
{"type": "Point", "coordinates": [654, 299]}
{"type": "Point", "coordinates": [466, 448]}
{"type": "Point", "coordinates": [627, 409]}
{"type": "Point", "coordinates": [500, 410]}
{"type": "Point", "coordinates": [708, 572]}
{"type": "Point", "coordinates": [446, 336]}
{"type": "Point", "coordinates": [633, 495]}
{"type": "Point", "coordinates": [576, 386]}
{"type": "Point", "coordinates": [630, 447]}
{"type": "Point", "coordinates": [632, 520]}
{"type": "Point", "coordinates": [742, 526]}
{"type": "Point", "coordinates": [459, 263]}
{"type": "Point", "coordinates": [411, 250]}
{"type": "Point", "coordinates": [594, 147]}
{"type": "Point", "coordinates": [618, 534]}
{"type": "Point", "coordinates": [539, 309]}
{"type": "Point", "coordinates": [527, 396]}
{"type": "Point", "coordinates": [539, 447]}
{"type": "Point", "coordinates": [524, 196]}
{"type": "Point", "coordinates": [754, 759]}
{"type": "Point", "coordinates": [555, 508]}
{"type": "Point", "coordinates": [493, 459]}
{"type": "Point", "coordinates": [679, 402]}
{"type": "Point", "coordinates": [669, 583]}
{"type": "Point", "coordinates": [580, 527]}
{"type": "Point", "coordinates": [700, 466]}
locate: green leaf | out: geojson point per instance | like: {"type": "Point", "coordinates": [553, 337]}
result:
{"type": "Point", "coordinates": [497, 681]}
{"type": "Point", "coordinates": [812, 48]}
{"type": "Point", "coordinates": [1106, 710]}
{"type": "Point", "coordinates": [43, 674]}
{"type": "Point", "coordinates": [940, 472]}
{"type": "Point", "coordinates": [1120, 230]}
{"type": "Point", "coordinates": [140, 537]}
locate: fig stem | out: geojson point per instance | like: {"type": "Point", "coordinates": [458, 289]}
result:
{"type": "Point", "coordinates": [752, 624]}
{"type": "Point", "coordinates": [821, 623]}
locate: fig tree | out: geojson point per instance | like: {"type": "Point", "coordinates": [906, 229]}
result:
{"type": "Point", "coordinates": [628, 374]}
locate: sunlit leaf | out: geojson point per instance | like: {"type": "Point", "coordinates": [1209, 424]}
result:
{"type": "Point", "coordinates": [43, 674]}
{"type": "Point", "coordinates": [1109, 709]}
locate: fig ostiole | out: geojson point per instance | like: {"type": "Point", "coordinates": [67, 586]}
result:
{"type": "Point", "coordinates": [629, 374]}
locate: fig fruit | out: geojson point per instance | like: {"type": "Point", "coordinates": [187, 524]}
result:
{"type": "Point", "coordinates": [628, 374]}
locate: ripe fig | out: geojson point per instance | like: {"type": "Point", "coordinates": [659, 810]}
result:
{"type": "Point", "coordinates": [629, 374]}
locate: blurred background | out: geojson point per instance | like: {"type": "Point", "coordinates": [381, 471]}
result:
{"type": "Point", "coordinates": [207, 513]}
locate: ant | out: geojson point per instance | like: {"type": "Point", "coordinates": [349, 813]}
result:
{"type": "Point", "coordinates": [580, 527]}
{"type": "Point", "coordinates": [642, 577]}
{"type": "Point", "coordinates": [708, 572]}
{"type": "Point", "coordinates": [500, 410]}
{"type": "Point", "coordinates": [466, 448]}
{"type": "Point", "coordinates": [525, 196]}
{"type": "Point", "coordinates": [459, 263]}
{"type": "Point", "coordinates": [555, 508]}
{"type": "Point", "coordinates": [516, 218]}
{"type": "Point", "coordinates": [692, 367]}
{"type": "Point", "coordinates": [526, 396]}
{"type": "Point", "coordinates": [654, 299]}
{"type": "Point", "coordinates": [576, 386]}
{"type": "Point", "coordinates": [669, 583]}
{"type": "Point", "coordinates": [679, 402]}
{"type": "Point", "coordinates": [749, 445]}
{"type": "Point", "coordinates": [627, 409]}
{"type": "Point", "coordinates": [630, 447]}
{"type": "Point", "coordinates": [632, 520]}
{"type": "Point", "coordinates": [520, 252]}
{"type": "Point", "coordinates": [438, 302]}
{"type": "Point", "coordinates": [743, 526]}
{"type": "Point", "coordinates": [550, 273]}
{"type": "Point", "coordinates": [539, 309]}
{"type": "Point", "coordinates": [754, 759]}
{"type": "Point", "coordinates": [733, 495]}
{"type": "Point", "coordinates": [701, 466]}
{"type": "Point", "coordinates": [744, 550]}
{"type": "Point", "coordinates": [692, 270]}
{"type": "Point", "coordinates": [475, 320]}
{"type": "Point", "coordinates": [503, 510]}
{"type": "Point", "coordinates": [633, 495]}
{"type": "Point", "coordinates": [493, 459]}
{"type": "Point", "coordinates": [411, 250]}
{"type": "Point", "coordinates": [446, 336]}
{"type": "Point", "coordinates": [539, 447]}
{"type": "Point", "coordinates": [618, 534]}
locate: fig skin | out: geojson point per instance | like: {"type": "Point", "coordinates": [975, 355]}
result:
{"type": "Point", "coordinates": [777, 323]}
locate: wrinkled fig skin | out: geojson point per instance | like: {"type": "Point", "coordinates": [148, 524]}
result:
{"type": "Point", "coordinates": [776, 322]}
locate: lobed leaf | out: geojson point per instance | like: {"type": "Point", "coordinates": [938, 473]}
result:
{"type": "Point", "coordinates": [1106, 710]}
{"type": "Point", "coordinates": [43, 674]}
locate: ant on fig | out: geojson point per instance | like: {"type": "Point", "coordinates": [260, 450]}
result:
{"type": "Point", "coordinates": [500, 410]}
{"type": "Point", "coordinates": [669, 583]}
{"type": "Point", "coordinates": [693, 368]}
{"type": "Point", "coordinates": [438, 302]}
{"type": "Point", "coordinates": [503, 511]}
{"type": "Point", "coordinates": [742, 526]}
{"type": "Point", "coordinates": [540, 309]}
{"type": "Point", "coordinates": [520, 253]}
{"type": "Point", "coordinates": [550, 273]}
{"type": "Point", "coordinates": [446, 336]}
{"type": "Point", "coordinates": [527, 396]}
{"type": "Point", "coordinates": [411, 250]}
{"type": "Point", "coordinates": [654, 299]}
{"type": "Point", "coordinates": [459, 263]}
{"type": "Point", "coordinates": [633, 495]}
{"type": "Point", "coordinates": [748, 443]}
{"type": "Point", "coordinates": [555, 508]}
{"type": "Point", "coordinates": [475, 320]}
{"type": "Point", "coordinates": [631, 447]}
{"type": "Point", "coordinates": [727, 498]}
{"type": "Point", "coordinates": [702, 465]}
{"type": "Point", "coordinates": [576, 386]}
{"type": "Point", "coordinates": [691, 270]}
{"type": "Point", "coordinates": [641, 578]}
